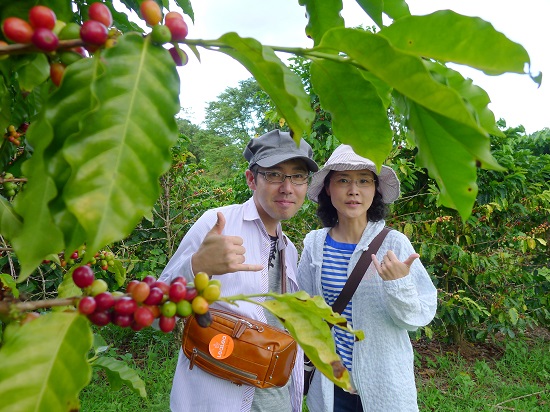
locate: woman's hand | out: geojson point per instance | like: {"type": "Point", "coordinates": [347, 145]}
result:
{"type": "Point", "coordinates": [391, 267]}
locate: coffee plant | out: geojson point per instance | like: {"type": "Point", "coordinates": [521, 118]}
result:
{"type": "Point", "coordinates": [101, 94]}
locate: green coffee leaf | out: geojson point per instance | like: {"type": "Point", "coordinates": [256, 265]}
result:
{"type": "Point", "coordinates": [10, 222]}
{"type": "Point", "coordinates": [34, 72]}
{"type": "Point", "coordinates": [347, 95]}
{"type": "Point", "coordinates": [120, 153]}
{"type": "Point", "coordinates": [447, 160]}
{"type": "Point", "coordinates": [283, 86]}
{"type": "Point", "coordinates": [450, 37]}
{"type": "Point", "coordinates": [306, 318]}
{"type": "Point", "coordinates": [118, 374]}
{"type": "Point", "coordinates": [401, 71]}
{"type": "Point", "coordinates": [322, 17]}
{"type": "Point", "coordinates": [37, 356]}
{"type": "Point", "coordinates": [48, 171]}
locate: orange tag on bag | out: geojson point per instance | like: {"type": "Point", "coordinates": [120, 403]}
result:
{"type": "Point", "coordinates": [221, 346]}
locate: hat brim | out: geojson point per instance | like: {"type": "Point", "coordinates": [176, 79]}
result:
{"type": "Point", "coordinates": [271, 161]}
{"type": "Point", "coordinates": [388, 183]}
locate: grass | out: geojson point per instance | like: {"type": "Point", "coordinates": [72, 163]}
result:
{"type": "Point", "coordinates": [518, 379]}
{"type": "Point", "coordinates": [152, 354]}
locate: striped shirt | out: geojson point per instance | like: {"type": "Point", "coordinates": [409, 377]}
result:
{"type": "Point", "coordinates": [334, 275]}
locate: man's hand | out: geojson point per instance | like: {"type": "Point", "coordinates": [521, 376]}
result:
{"type": "Point", "coordinates": [219, 254]}
{"type": "Point", "coordinates": [391, 267]}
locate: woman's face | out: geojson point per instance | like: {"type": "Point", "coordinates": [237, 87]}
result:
{"type": "Point", "coordinates": [351, 193]}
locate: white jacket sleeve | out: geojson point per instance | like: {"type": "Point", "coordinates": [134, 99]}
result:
{"type": "Point", "coordinates": [411, 300]}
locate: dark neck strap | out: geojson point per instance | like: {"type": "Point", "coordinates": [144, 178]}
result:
{"type": "Point", "coordinates": [358, 271]}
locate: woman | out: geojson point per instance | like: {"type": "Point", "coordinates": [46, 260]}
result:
{"type": "Point", "coordinates": [395, 295]}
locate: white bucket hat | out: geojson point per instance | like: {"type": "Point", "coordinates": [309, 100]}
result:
{"type": "Point", "coordinates": [344, 158]}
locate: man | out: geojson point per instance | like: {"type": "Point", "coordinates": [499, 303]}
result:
{"type": "Point", "coordinates": [239, 244]}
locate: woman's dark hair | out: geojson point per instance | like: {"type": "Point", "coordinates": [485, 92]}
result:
{"type": "Point", "coordinates": [378, 210]}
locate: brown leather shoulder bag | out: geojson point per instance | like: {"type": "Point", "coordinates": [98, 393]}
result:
{"type": "Point", "coordinates": [261, 356]}
{"type": "Point", "coordinates": [239, 349]}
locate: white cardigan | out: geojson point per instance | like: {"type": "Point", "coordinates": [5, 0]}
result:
{"type": "Point", "coordinates": [382, 367]}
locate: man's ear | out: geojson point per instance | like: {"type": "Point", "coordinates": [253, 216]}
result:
{"type": "Point", "coordinates": [250, 181]}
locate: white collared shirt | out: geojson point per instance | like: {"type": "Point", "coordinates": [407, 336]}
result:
{"type": "Point", "coordinates": [195, 390]}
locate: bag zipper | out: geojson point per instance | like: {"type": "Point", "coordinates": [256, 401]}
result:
{"type": "Point", "coordinates": [238, 372]}
{"type": "Point", "coordinates": [240, 324]}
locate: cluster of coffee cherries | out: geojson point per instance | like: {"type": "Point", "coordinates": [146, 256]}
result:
{"type": "Point", "coordinates": [173, 30]}
{"type": "Point", "coordinates": [9, 185]}
{"type": "Point", "coordinates": [146, 300]}
{"type": "Point", "coordinates": [13, 135]}
{"type": "Point", "coordinates": [44, 31]}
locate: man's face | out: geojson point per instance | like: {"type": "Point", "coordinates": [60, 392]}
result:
{"type": "Point", "coordinates": [278, 201]}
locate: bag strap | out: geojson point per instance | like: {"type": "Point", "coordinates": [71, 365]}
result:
{"type": "Point", "coordinates": [282, 263]}
{"type": "Point", "coordinates": [358, 271]}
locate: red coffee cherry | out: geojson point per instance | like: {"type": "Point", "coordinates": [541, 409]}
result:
{"type": "Point", "coordinates": [178, 28]}
{"type": "Point", "coordinates": [94, 32]}
{"type": "Point", "coordinates": [101, 13]}
{"type": "Point", "coordinates": [87, 305]}
{"type": "Point", "coordinates": [56, 73]}
{"type": "Point", "coordinates": [83, 276]}
{"type": "Point", "coordinates": [167, 324]}
{"type": "Point", "coordinates": [17, 30]}
{"type": "Point", "coordinates": [45, 39]}
{"type": "Point", "coordinates": [42, 16]}
{"type": "Point", "coordinates": [150, 12]}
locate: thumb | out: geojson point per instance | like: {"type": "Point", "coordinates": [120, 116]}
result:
{"type": "Point", "coordinates": [409, 261]}
{"type": "Point", "coordinates": [220, 224]}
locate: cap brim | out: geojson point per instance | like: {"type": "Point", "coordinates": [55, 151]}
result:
{"type": "Point", "coordinates": [271, 161]}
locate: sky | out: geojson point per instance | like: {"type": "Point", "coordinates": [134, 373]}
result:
{"type": "Point", "coordinates": [515, 98]}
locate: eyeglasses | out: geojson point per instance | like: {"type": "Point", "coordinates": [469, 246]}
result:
{"type": "Point", "coordinates": [278, 177]}
{"type": "Point", "coordinates": [345, 182]}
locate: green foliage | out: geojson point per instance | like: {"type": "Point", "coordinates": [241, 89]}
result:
{"type": "Point", "coordinates": [89, 169]}
{"type": "Point", "coordinates": [119, 374]}
{"type": "Point", "coordinates": [238, 113]}
{"type": "Point", "coordinates": [491, 270]}
{"type": "Point", "coordinates": [454, 383]}
{"type": "Point", "coordinates": [282, 85]}
{"type": "Point", "coordinates": [37, 356]}
{"type": "Point", "coordinates": [306, 318]}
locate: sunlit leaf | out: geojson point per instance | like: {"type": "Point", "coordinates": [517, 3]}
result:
{"type": "Point", "coordinates": [347, 95]}
{"type": "Point", "coordinates": [477, 98]}
{"type": "Point", "coordinates": [321, 17]}
{"type": "Point", "coordinates": [306, 319]}
{"type": "Point", "coordinates": [39, 355]}
{"type": "Point", "coordinates": [403, 72]}
{"type": "Point", "coordinates": [514, 316]}
{"type": "Point", "coordinates": [451, 37]}
{"type": "Point", "coordinates": [48, 171]}
{"type": "Point", "coordinates": [446, 159]}
{"type": "Point", "coordinates": [120, 152]}
{"type": "Point", "coordinates": [8, 281]}
{"type": "Point", "coordinates": [275, 78]}
{"type": "Point", "coordinates": [39, 236]}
